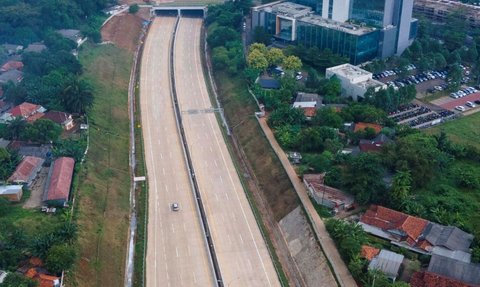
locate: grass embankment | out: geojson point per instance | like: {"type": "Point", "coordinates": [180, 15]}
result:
{"type": "Point", "coordinates": [103, 192]}
{"type": "Point", "coordinates": [464, 130]}
{"type": "Point", "coordinates": [239, 109]}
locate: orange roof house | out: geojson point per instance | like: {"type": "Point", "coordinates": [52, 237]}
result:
{"type": "Point", "coordinates": [369, 252]}
{"type": "Point", "coordinates": [11, 65]}
{"type": "Point", "coordinates": [26, 170]}
{"type": "Point", "coordinates": [43, 279]}
{"type": "Point", "coordinates": [26, 110]}
{"type": "Point", "coordinates": [60, 180]}
{"type": "Point", "coordinates": [429, 279]}
{"type": "Point", "coordinates": [362, 126]}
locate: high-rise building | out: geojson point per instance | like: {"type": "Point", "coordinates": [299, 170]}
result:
{"type": "Point", "coordinates": [359, 29]}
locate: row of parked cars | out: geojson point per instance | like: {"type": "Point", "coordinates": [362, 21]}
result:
{"type": "Point", "coordinates": [463, 92]}
{"type": "Point", "coordinates": [389, 73]}
{"type": "Point", "coordinates": [419, 78]}
{"type": "Point", "coordinates": [468, 104]}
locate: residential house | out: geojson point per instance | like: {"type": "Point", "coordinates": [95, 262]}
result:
{"type": "Point", "coordinates": [325, 195]}
{"type": "Point", "coordinates": [360, 126]}
{"type": "Point", "coordinates": [387, 262]}
{"type": "Point", "coordinates": [11, 65]}
{"type": "Point", "coordinates": [374, 145]}
{"type": "Point", "coordinates": [269, 84]}
{"type": "Point", "coordinates": [14, 76]}
{"type": "Point", "coordinates": [369, 252]}
{"type": "Point", "coordinates": [11, 192]}
{"type": "Point", "coordinates": [59, 181]}
{"type": "Point", "coordinates": [44, 280]}
{"type": "Point", "coordinates": [74, 35]}
{"type": "Point", "coordinates": [26, 170]}
{"type": "Point", "coordinates": [12, 49]}
{"type": "Point", "coordinates": [30, 112]}
{"type": "Point", "coordinates": [35, 48]}
{"type": "Point", "coordinates": [429, 279]}
{"type": "Point", "coordinates": [61, 118]}
{"type": "Point", "coordinates": [417, 234]}
{"type": "Point", "coordinates": [309, 103]}
{"type": "Point", "coordinates": [468, 273]}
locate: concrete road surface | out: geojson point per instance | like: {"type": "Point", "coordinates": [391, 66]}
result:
{"type": "Point", "coordinates": [176, 250]}
{"type": "Point", "coordinates": [241, 250]}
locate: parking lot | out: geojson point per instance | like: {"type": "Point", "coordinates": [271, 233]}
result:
{"type": "Point", "coordinates": [450, 103]}
{"type": "Point", "coordinates": [424, 82]}
{"type": "Point", "coordinates": [420, 115]}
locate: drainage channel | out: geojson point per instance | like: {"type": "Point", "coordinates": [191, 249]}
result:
{"type": "Point", "coordinates": [193, 180]}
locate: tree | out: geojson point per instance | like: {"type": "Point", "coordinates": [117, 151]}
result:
{"type": "Point", "coordinates": [286, 115]}
{"type": "Point", "coordinates": [17, 280]}
{"type": "Point", "coordinates": [332, 89]}
{"type": "Point", "coordinates": [257, 60]}
{"type": "Point", "coordinates": [220, 57]}
{"type": "Point", "coordinates": [348, 237]}
{"type": "Point", "coordinates": [275, 57]}
{"type": "Point", "coordinates": [260, 35]}
{"type": "Point", "coordinates": [133, 9]}
{"type": "Point", "coordinates": [16, 127]}
{"type": "Point", "coordinates": [327, 117]}
{"type": "Point", "coordinates": [258, 46]}
{"type": "Point", "coordinates": [292, 63]}
{"type": "Point", "coordinates": [8, 163]}
{"type": "Point", "coordinates": [77, 97]}
{"type": "Point", "coordinates": [440, 61]}
{"type": "Point", "coordinates": [70, 147]}
{"type": "Point", "coordinates": [401, 186]}
{"type": "Point", "coordinates": [221, 35]}
{"type": "Point", "coordinates": [60, 257]}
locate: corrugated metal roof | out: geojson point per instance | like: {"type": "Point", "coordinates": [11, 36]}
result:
{"type": "Point", "coordinates": [388, 262]}
{"type": "Point", "coordinates": [462, 271]}
{"type": "Point", "coordinates": [448, 236]}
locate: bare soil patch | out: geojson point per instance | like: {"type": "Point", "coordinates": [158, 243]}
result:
{"type": "Point", "coordinates": [123, 30]}
{"type": "Point", "coordinates": [37, 189]}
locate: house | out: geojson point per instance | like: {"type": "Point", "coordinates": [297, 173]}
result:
{"type": "Point", "coordinates": [12, 49]}
{"type": "Point", "coordinates": [59, 181]}
{"type": "Point", "coordinates": [11, 65]}
{"type": "Point", "coordinates": [61, 118]}
{"type": "Point", "coordinates": [468, 273]}
{"type": "Point", "coordinates": [417, 234]}
{"type": "Point", "coordinates": [309, 103]}
{"type": "Point", "coordinates": [429, 279]}
{"type": "Point", "coordinates": [325, 195]}
{"type": "Point", "coordinates": [369, 252]}
{"type": "Point", "coordinates": [11, 192]}
{"type": "Point", "coordinates": [35, 48]}
{"type": "Point", "coordinates": [269, 84]}
{"type": "Point", "coordinates": [44, 280]}
{"type": "Point", "coordinates": [14, 76]}
{"type": "Point", "coordinates": [27, 170]}
{"type": "Point", "coordinates": [73, 35]}
{"type": "Point", "coordinates": [295, 157]}
{"type": "Point", "coordinates": [28, 111]}
{"type": "Point", "coordinates": [360, 126]}
{"type": "Point", "coordinates": [388, 262]}
{"type": "Point", "coordinates": [354, 81]}
{"type": "Point", "coordinates": [374, 145]}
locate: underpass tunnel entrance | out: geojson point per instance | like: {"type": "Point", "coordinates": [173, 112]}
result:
{"type": "Point", "coordinates": [167, 12]}
{"type": "Point", "coordinates": [198, 13]}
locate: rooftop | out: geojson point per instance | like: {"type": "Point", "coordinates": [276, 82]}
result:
{"type": "Point", "coordinates": [36, 48]}
{"type": "Point", "coordinates": [458, 270]}
{"type": "Point", "coordinates": [10, 189]}
{"type": "Point", "coordinates": [369, 252]}
{"type": "Point", "coordinates": [449, 237]}
{"type": "Point", "coordinates": [339, 26]}
{"type": "Point", "coordinates": [361, 126]}
{"type": "Point", "coordinates": [25, 110]}
{"type": "Point", "coordinates": [428, 279]}
{"type": "Point", "coordinates": [24, 170]}
{"type": "Point", "coordinates": [329, 193]}
{"type": "Point", "coordinates": [289, 9]}
{"type": "Point", "coordinates": [13, 75]}
{"type": "Point", "coordinates": [70, 33]}
{"type": "Point", "coordinates": [11, 65]}
{"type": "Point", "coordinates": [307, 97]}
{"type": "Point", "coordinates": [61, 179]}
{"type": "Point", "coordinates": [388, 262]}
{"type": "Point", "coordinates": [349, 71]}
{"type": "Point", "coordinates": [57, 117]}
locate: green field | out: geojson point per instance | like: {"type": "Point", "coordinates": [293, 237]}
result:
{"type": "Point", "coordinates": [103, 194]}
{"type": "Point", "coordinates": [464, 130]}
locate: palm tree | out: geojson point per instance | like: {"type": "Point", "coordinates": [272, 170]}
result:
{"type": "Point", "coordinates": [77, 97]}
{"type": "Point", "coordinates": [16, 127]}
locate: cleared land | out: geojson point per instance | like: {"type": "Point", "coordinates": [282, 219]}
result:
{"type": "Point", "coordinates": [240, 248]}
{"type": "Point", "coordinates": [123, 30]}
{"type": "Point", "coordinates": [103, 194]}
{"type": "Point", "coordinates": [464, 130]}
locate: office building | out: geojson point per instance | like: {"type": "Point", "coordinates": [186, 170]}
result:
{"type": "Point", "coordinates": [358, 29]}
{"type": "Point", "coordinates": [440, 10]}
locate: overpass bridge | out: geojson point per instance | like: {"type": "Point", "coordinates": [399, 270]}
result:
{"type": "Point", "coordinates": [177, 9]}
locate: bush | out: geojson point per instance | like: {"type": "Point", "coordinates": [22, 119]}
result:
{"type": "Point", "coordinates": [133, 9]}
{"type": "Point", "coordinates": [60, 257]}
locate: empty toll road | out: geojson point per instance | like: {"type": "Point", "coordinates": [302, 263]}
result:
{"type": "Point", "coordinates": [176, 250]}
{"type": "Point", "coordinates": [240, 249]}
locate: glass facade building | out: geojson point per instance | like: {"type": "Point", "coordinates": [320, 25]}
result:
{"type": "Point", "coordinates": [357, 47]}
{"type": "Point", "coordinates": [370, 12]}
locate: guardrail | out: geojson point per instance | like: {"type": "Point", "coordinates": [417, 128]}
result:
{"type": "Point", "coordinates": [191, 171]}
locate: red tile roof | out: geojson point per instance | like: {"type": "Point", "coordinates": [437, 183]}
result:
{"type": "Point", "coordinates": [24, 110]}
{"type": "Point", "coordinates": [309, 112]}
{"type": "Point", "coordinates": [369, 252]}
{"type": "Point", "coordinates": [35, 117]}
{"type": "Point", "coordinates": [389, 219]}
{"type": "Point", "coordinates": [361, 126]}
{"type": "Point", "coordinates": [44, 279]}
{"type": "Point", "coordinates": [61, 179]}
{"type": "Point", "coordinates": [57, 117]}
{"type": "Point", "coordinates": [24, 170]}
{"type": "Point", "coordinates": [428, 279]}
{"type": "Point", "coordinates": [12, 65]}
{"type": "Point", "coordinates": [369, 146]}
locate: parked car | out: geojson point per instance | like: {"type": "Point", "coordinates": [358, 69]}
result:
{"type": "Point", "coordinates": [460, 108]}
{"type": "Point", "coordinates": [470, 104]}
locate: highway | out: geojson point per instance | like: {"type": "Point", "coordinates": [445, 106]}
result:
{"type": "Point", "coordinates": [240, 249]}
{"type": "Point", "coordinates": [176, 249]}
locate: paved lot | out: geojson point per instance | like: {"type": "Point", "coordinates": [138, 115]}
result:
{"type": "Point", "coordinates": [37, 189]}
{"type": "Point", "coordinates": [241, 250]}
{"type": "Point", "coordinates": [176, 251]}
{"type": "Point", "coordinates": [450, 103]}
